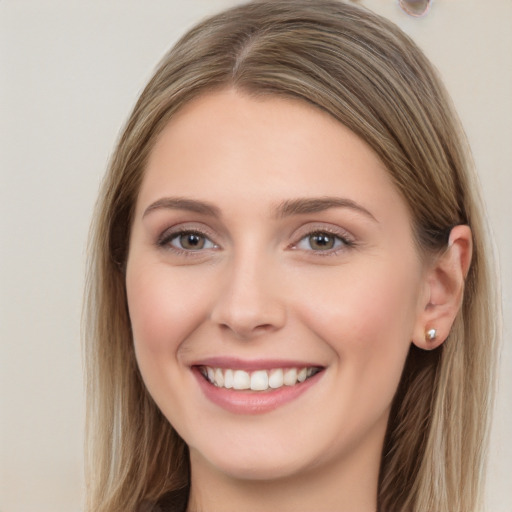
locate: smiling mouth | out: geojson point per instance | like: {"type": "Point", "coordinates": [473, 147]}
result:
{"type": "Point", "coordinates": [258, 380]}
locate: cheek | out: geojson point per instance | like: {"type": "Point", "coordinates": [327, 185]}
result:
{"type": "Point", "coordinates": [164, 308]}
{"type": "Point", "coordinates": [367, 320]}
{"type": "Point", "coordinates": [371, 302]}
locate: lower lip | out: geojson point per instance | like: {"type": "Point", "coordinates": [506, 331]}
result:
{"type": "Point", "coordinates": [253, 402]}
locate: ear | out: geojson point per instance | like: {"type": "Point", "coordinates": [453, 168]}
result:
{"type": "Point", "coordinates": [444, 290]}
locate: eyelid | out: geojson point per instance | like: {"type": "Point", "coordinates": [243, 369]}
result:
{"type": "Point", "coordinates": [176, 237]}
{"type": "Point", "coordinates": [169, 234]}
{"type": "Point", "coordinates": [310, 229]}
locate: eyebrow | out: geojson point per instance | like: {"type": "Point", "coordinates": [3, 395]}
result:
{"type": "Point", "coordinates": [181, 203]}
{"type": "Point", "coordinates": [287, 208]}
{"type": "Point", "coordinates": [313, 205]}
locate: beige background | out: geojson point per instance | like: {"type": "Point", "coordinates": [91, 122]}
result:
{"type": "Point", "coordinates": [70, 71]}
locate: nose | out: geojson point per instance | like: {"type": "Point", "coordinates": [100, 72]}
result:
{"type": "Point", "coordinates": [250, 301]}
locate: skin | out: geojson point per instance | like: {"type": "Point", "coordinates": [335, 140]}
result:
{"type": "Point", "coordinates": [258, 289]}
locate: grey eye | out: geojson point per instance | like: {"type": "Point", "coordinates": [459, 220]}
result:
{"type": "Point", "coordinates": [191, 241]}
{"type": "Point", "coordinates": [320, 241]}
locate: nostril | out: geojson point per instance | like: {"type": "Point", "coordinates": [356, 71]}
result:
{"type": "Point", "coordinates": [248, 307]}
{"type": "Point", "coordinates": [246, 331]}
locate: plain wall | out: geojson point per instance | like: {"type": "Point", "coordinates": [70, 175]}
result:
{"type": "Point", "coordinates": [70, 71]}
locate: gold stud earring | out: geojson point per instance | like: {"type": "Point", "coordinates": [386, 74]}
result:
{"type": "Point", "coordinates": [431, 335]}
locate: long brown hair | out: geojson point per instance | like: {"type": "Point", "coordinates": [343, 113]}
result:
{"type": "Point", "coordinates": [368, 75]}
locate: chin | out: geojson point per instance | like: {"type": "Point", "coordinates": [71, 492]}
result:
{"type": "Point", "coordinates": [255, 464]}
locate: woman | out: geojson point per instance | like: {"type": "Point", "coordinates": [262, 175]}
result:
{"type": "Point", "coordinates": [290, 291]}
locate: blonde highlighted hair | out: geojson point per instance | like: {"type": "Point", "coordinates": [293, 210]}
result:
{"type": "Point", "coordinates": [368, 75]}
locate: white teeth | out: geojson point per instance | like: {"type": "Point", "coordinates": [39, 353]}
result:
{"type": "Point", "coordinates": [275, 378]}
{"type": "Point", "coordinates": [259, 380]}
{"type": "Point", "coordinates": [219, 378]}
{"type": "Point", "coordinates": [290, 377]}
{"type": "Point", "coordinates": [228, 379]}
{"type": "Point", "coordinates": [241, 380]}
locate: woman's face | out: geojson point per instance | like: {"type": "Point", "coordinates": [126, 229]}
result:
{"type": "Point", "coordinates": [269, 246]}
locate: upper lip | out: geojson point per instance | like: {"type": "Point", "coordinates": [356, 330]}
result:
{"type": "Point", "coordinates": [253, 364]}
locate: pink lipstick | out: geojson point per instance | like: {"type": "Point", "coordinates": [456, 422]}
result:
{"type": "Point", "coordinates": [254, 387]}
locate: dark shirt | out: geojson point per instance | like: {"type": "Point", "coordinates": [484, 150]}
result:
{"type": "Point", "coordinates": [175, 501]}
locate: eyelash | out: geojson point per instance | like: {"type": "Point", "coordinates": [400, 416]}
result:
{"type": "Point", "coordinates": [165, 241]}
{"type": "Point", "coordinates": [343, 241]}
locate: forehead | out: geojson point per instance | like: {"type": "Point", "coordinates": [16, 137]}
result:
{"type": "Point", "coordinates": [227, 145]}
